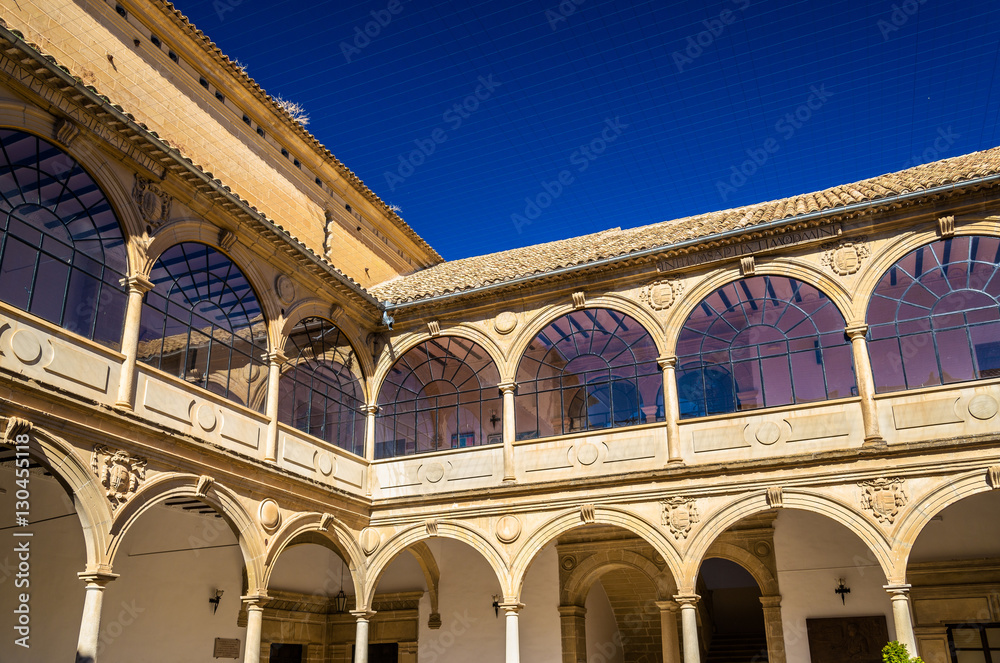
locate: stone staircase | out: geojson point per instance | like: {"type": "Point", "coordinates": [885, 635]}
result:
{"type": "Point", "coordinates": [737, 649]}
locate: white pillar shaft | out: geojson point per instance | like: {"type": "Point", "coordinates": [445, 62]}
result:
{"type": "Point", "coordinates": [671, 409]}
{"type": "Point", "coordinates": [689, 628]}
{"type": "Point", "coordinates": [370, 420]}
{"type": "Point", "coordinates": [90, 625]}
{"type": "Point", "coordinates": [361, 642]}
{"type": "Point", "coordinates": [130, 345]}
{"type": "Point", "coordinates": [255, 618]}
{"type": "Point", "coordinates": [273, 377]}
{"type": "Point", "coordinates": [901, 619]}
{"type": "Point", "coordinates": [508, 432]}
{"type": "Point", "coordinates": [866, 383]}
{"type": "Point", "coordinates": [513, 644]}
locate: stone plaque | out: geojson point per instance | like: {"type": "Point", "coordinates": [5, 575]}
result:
{"type": "Point", "coordinates": [854, 639]}
{"type": "Point", "coordinates": [226, 648]}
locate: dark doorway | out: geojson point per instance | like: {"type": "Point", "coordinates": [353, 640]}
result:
{"type": "Point", "coordinates": [284, 653]}
{"type": "Point", "coordinates": [386, 652]}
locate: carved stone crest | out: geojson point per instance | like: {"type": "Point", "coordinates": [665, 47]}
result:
{"type": "Point", "coordinates": [845, 257]}
{"type": "Point", "coordinates": [284, 287]}
{"type": "Point", "coordinates": [680, 514]}
{"type": "Point", "coordinates": [883, 497]}
{"type": "Point", "coordinates": [661, 294]}
{"type": "Point", "coordinates": [119, 472]}
{"type": "Point", "coordinates": [153, 202]}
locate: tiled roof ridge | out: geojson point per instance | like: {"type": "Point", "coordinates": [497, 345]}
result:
{"type": "Point", "coordinates": [221, 58]}
{"type": "Point", "coordinates": [454, 277]}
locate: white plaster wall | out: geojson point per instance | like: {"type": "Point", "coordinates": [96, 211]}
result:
{"type": "Point", "coordinates": [961, 531]}
{"type": "Point", "coordinates": [603, 638]}
{"type": "Point", "coordinates": [812, 552]}
{"type": "Point", "coordinates": [470, 631]}
{"type": "Point", "coordinates": [171, 563]}
{"type": "Point", "coordinates": [58, 553]}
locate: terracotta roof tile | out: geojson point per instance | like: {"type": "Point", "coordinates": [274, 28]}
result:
{"type": "Point", "coordinates": [468, 273]}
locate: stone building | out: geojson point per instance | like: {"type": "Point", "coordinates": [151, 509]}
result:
{"type": "Point", "coordinates": [247, 412]}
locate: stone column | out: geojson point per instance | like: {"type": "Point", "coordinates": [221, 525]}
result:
{"type": "Point", "coordinates": [866, 383]}
{"type": "Point", "coordinates": [370, 412]}
{"type": "Point", "coordinates": [274, 361]}
{"type": "Point", "coordinates": [255, 620]}
{"type": "Point", "coordinates": [671, 409]}
{"type": "Point", "coordinates": [90, 624]}
{"type": "Point", "coordinates": [513, 641]}
{"type": "Point", "coordinates": [573, 629]}
{"type": "Point", "coordinates": [689, 627]}
{"type": "Point", "coordinates": [138, 285]}
{"type": "Point", "coordinates": [509, 431]}
{"type": "Point", "coordinates": [668, 631]}
{"type": "Point", "coordinates": [361, 636]}
{"type": "Point", "coordinates": [773, 629]}
{"type": "Point", "coordinates": [900, 595]}
{"type": "Point", "coordinates": [407, 652]}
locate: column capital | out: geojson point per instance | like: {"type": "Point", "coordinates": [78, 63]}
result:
{"type": "Point", "coordinates": [370, 409]}
{"type": "Point", "coordinates": [139, 283]}
{"type": "Point", "coordinates": [572, 611]}
{"type": "Point", "coordinates": [687, 600]}
{"type": "Point", "coordinates": [97, 578]}
{"type": "Point", "coordinates": [255, 601]}
{"type": "Point", "coordinates": [771, 601]}
{"type": "Point", "coordinates": [507, 387]}
{"type": "Point", "coordinates": [856, 330]}
{"type": "Point", "coordinates": [274, 357]}
{"type": "Point", "coordinates": [667, 606]}
{"type": "Point", "coordinates": [900, 591]}
{"type": "Point", "coordinates": [511, 607]}
{"type": "Point", "coordinates": [666, 361]}
{"type": "Point", "coordinates": [363, 615]}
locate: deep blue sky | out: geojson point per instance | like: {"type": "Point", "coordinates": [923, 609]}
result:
{"type": "Point", "coordinates": [901, 82]}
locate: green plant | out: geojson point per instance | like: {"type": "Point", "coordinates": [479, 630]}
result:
{"type": "Point", "coordinates": [895, 652]}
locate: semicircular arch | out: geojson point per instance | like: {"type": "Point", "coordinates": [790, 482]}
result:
{"type": "Point", "coordinates": [576, 587]}
{"type": "Point", "coordinates": [765, 579]}
{"type": "Point", "coordinates": [336, 538]}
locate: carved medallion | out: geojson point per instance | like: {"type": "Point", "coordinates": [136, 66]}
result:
{"type": "Point", "coordinates": [661, 294]}
{"type": "Point", "coordinates": [883, 497]}
{"type": "Point", "coordinates": [505, 322]}
{"type": "Point", "coordinates": [680, 514]}
{"type": "Point", "coordinates": [369, 540]}
{"type": "Point", "coordinates": [508, 529]}
{"type": "Point", "coordinates": [845, 257]}
{"type": "Point", "coordinates": [269, 514]}
{"type": "Point", "coordinates": [284, 288]}
{"type": "Point", "coordinates": [153, 202]}
{"type": "Point", "coordinates": [119, 472]}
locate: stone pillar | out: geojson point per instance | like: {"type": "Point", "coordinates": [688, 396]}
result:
{"type": "Point", "coordinates": [671, 409]}
{"type": "Point", "coordinates": [370, 412]}
{"type": "Point", "coordinates": [407, 652]}
{"type": "Point", "coordinates": [689, 627]}
{"type": "Point", "coordinates": [138, 285]}
{"type": "Point", "coordinates": [774, 630]}
{"type": "Point", "coordinates": [513, 641]}
{"type": "Point", "coordinates": [866, 383]}
{"type": "Point", "coordinates": [900, 595]}
{"type": "Point", "coordinates": [255, 620]}
{"type": "Point", "coordinates": [361, 636]}
{"type": "Point", "coordinates": [573, 629]}
{"type": "Point", "coordinates": [509, 431]}
{"type": "Point", "coordinates": [668, 631]}
{"type": "Point", "coordinates": [90, 624]}
{"type": "Point", "coordinates": [274, 361]}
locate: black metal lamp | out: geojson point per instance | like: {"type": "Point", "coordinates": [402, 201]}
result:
{"type": "Point", "coordinates": [843, 590]}
{"type": "Point", "coordinates": [215, 601]}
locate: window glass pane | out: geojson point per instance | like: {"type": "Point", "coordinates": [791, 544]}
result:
{"type": "Point", "coordinates": [966, 638]}
{"type": "Point", "coordinates": [970, 656]}
{"type": "Point", "coordinates": [993, 636]}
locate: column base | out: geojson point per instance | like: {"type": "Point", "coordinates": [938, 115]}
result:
{"type": "Point", "coordinates": [675, 462]}
{"type": "Point", "coordinates": [123, 405]}
{"type": "Point", "coordinates": [875, 442]}
{"type": "Point", "coordinates": [510, 479]}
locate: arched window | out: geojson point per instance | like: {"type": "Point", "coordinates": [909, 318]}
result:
{"type": "Point", "coordinates": [760, 342]}
{"type": "Point", "coordinates": [442, 394]}
{"type": "Point", "coordinates": [62, 253]}
{"type": "Point", "coordinates": [320, 388]}
{"type": "Point", "coordinates": [934, 318]}
{"type": "Point", "coordinates": [589, 369]}
{"type": "Point", "coordinates": [202, 323]}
